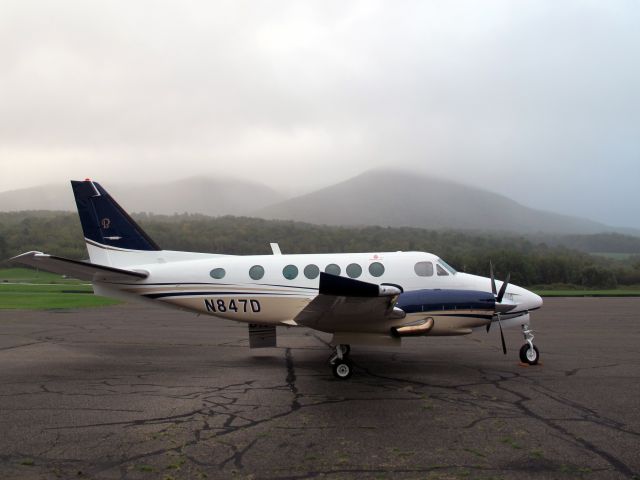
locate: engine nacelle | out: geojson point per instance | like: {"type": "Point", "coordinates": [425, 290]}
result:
{"type": "Point", "coordinates": [456, 312]}
{"type": "Point", "coordinates": [429, 300]}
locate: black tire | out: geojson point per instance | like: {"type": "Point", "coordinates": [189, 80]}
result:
{"type": "Point", "coordinates": [342, 369]}
{"type": "Point", "coordinates": [529, 356]}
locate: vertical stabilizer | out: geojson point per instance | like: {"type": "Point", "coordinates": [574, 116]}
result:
{"type": "Point", "coordinates": [107, 227]}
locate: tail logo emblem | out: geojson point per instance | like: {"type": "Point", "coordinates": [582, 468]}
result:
{"type": "Point", "coordinates": [105, 222]}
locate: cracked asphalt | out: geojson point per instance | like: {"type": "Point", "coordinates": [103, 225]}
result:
{"type": "Point", "coordinates": [132, 392]}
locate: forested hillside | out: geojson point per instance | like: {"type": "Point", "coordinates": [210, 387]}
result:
{"type": "Point", "coordinates": [598, 243]}
{"type": "Point", "coordinates": [530, 263]}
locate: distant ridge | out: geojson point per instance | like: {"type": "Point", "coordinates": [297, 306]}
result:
{"type": "Point", "coordinates": [378, 197]}
{"type": "Point", "coordinates": [402, 199]}
{"type": "Point", "coordinates": [203, 195]}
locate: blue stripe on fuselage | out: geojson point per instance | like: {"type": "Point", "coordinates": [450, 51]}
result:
{"type": "Point", "coordinates": [429, 300]}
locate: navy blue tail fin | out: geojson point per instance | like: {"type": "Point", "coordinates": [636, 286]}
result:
{"type": "Point", "coordinates": [104, 222]}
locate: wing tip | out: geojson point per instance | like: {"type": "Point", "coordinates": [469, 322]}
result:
{"type": "Point", "coordinates": [27, 256]}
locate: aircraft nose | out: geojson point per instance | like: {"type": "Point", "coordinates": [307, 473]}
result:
{"type": "Point", "coordinates": [526, 299]}
{"type": "Point", "coordinates": [533, 301]}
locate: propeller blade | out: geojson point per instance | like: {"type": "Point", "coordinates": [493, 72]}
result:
{"type": "Point", "coordinates": [504, 345]}
{"type": "Point", "coordinates": [493, 280]}
{"type": "Point", "coordinates": [504, 307]}
{"type": "Point", "coordinates": [503, 289]}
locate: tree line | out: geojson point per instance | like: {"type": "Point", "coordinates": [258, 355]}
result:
{"type": "Point", "coordinates": [529, 262]}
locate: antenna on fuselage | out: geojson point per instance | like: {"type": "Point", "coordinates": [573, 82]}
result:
{"type": "Point", "coordinates": [275, 248]}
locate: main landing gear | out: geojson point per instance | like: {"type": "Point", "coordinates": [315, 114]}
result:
{"type": "Point", "coordinates": [340, 363]}
{"type": "Point", "coordinates": [529, 352]}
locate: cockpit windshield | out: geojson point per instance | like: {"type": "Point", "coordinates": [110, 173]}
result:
{"type": "Point", "coordinates": [448, 267]}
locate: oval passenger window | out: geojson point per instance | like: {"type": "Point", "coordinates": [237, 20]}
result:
{"type": "Point", "coordinates": [311, 271]}
{"type": "Point", "coordinates": [333, 269]}
{"type": "Point", "coordinates": [354, 270]}
{"type": "Point", "coordinates": [256, 272]}
{"type": "Point", "coordinates": [217, 273]}
{"type": "Point", "coordinates": [290, 272]}
{"type": "Point", "coordinates": [376, 269]}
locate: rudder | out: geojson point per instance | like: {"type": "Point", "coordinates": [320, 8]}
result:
{"type": "Point", "coordinates": [105, 224]}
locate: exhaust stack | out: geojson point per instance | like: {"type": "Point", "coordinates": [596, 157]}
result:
{"type": "Point", "coordinates": [415, 330]}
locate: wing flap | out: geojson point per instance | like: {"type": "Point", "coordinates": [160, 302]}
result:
{"type": "Point", "coordinates": [78, 269]}
{"type": "Point", "coordinates": [348, 305]}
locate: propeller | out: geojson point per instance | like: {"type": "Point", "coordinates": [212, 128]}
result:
{"type": "Point", "coordinates": [504, 345]}
{"type": "Point", "coordinates": [493, 280]}
{"type": "Point", "coordinates": [503, 289]}
{"type": "Point", "coordinates": [499, 307]}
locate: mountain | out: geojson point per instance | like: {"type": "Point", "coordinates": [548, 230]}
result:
{"type": "Point", "coordinates": [44, 197]}
{"type": "Point", "coordinates": [400, 199]}
{"type": "Point", "coordinates": [377, 197]}
{"type": "Point", "coordinates": [203, 195]}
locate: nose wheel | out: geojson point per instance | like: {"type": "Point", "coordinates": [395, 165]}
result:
{"type": "Point", "coordinates": [529, 352]}
{"type": "Point", "coordinates": [341, 365]}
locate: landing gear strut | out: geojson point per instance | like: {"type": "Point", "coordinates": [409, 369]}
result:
{"type": "Point", "coordinates": [340, 363]}
{"type": "Point", "coordinates": [529, 352]}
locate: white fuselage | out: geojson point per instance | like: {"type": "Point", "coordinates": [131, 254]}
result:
{"type": "Point", "coordinates": [273, 289]}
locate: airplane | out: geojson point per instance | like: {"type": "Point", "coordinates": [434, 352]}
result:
{"type": "Point", "coordinates": [360, 298]}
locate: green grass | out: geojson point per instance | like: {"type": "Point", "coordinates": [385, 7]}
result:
{"type": "Point", "coordinates": [27, 275]}
{"type": "Point", "coordinates": [620, 292]}
{"type": "Point", "coordinates": [25, 289]}
{"type": "Point", "coordinates": [615, 256]}
{"type": "Point", "coordinates": [570, 290]}
{"type": "Point", "coordinates": [43, 297]}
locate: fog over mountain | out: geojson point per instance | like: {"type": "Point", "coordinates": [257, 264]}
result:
{"type": "Point", "coordinates": [377, 197]}
{"type": "Point", "coordinates": [400, 199]}
{"type": "Point", "coordinates": [203, 195]}
{"type": "Point", "coordinates": [536, 100]}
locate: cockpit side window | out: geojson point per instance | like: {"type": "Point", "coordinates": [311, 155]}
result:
{"type": "Point", "coordinates": [423, 269]}
{"type": "Point", "coordinates": [448, 267]}
{"type": "Point", "coordinates": [441, 271]}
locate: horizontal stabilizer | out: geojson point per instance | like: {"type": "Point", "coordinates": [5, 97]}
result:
{"type": "Point", "coordinates": [78, 269]}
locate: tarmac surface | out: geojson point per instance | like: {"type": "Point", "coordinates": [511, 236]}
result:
{"type": "Point", "coordinates": [134, 392]}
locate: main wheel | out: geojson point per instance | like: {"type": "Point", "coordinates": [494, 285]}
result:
{"type": "Point", "coordinates": [529, 355]}
{"type": "Point", "coordinates": [342, 369]}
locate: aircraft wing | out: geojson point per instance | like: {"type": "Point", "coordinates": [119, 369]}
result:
{"type": "Point", "coordinates": [344, 304]}
{"type": "Point", "coordinates": [78, 269]}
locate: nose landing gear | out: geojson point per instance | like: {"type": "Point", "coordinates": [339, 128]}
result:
{"type": "Point", "coordinates": [529, 352]}
{"type": "Point", "coordinates": [340, 363]}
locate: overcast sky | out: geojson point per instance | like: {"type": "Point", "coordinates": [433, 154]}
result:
{"type": "Point", "coordinates": [538, 100]}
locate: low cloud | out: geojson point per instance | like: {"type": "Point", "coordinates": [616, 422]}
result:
{"type": "Point", "coordinates": [536, 100]}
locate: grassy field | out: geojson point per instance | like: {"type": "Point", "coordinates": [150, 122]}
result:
{"type": "Point", "coordinates": [24, 289]}
{"type": "Point", "coordinates": [26, 275]}
{"type": "Point", "coordinates": [615, 256]}
{"type": "Point", "coordinates": [569, 291]}
{"type": "Point", "coordinates": [588, 293]}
